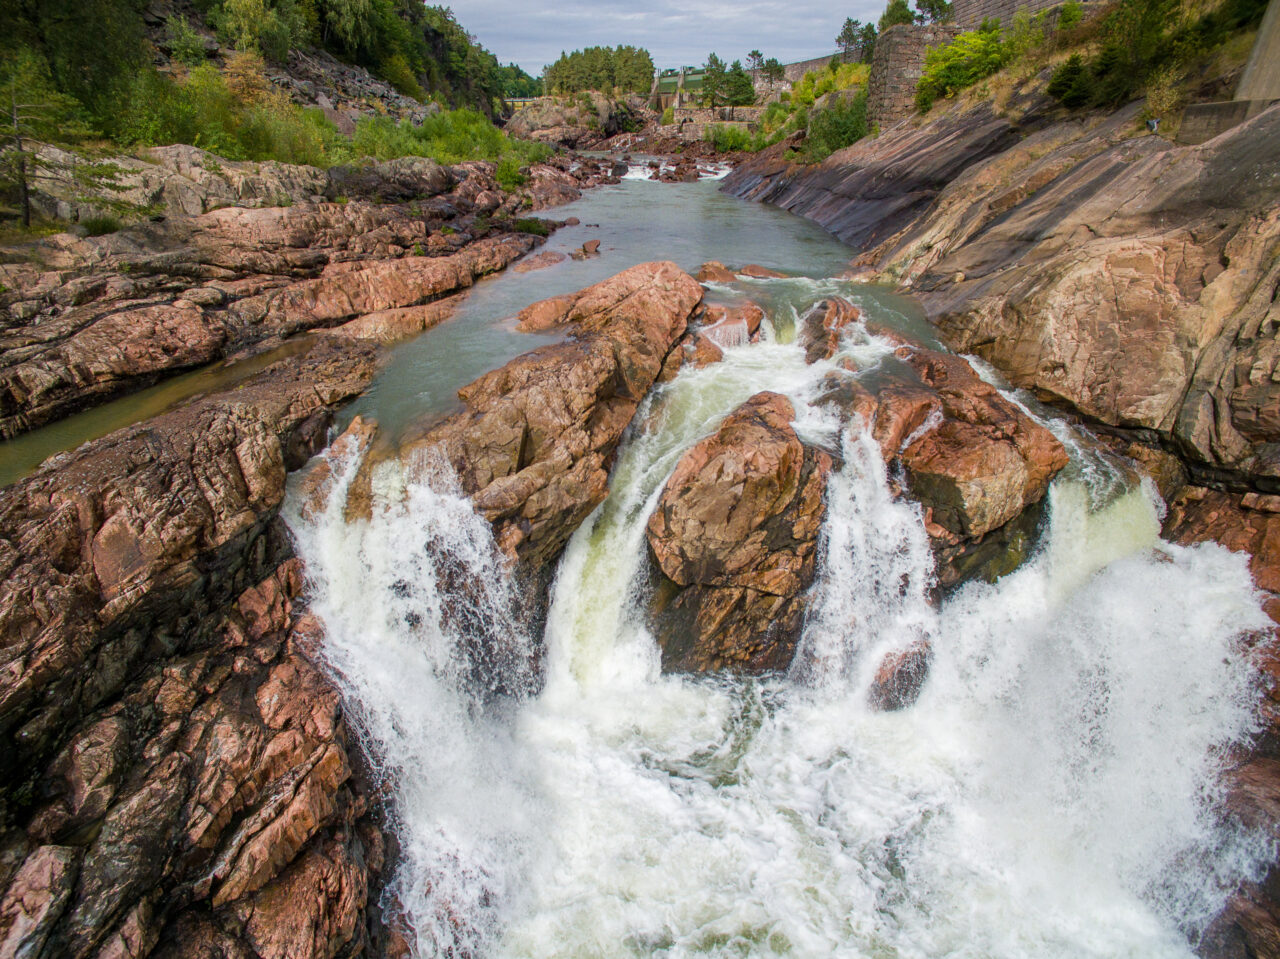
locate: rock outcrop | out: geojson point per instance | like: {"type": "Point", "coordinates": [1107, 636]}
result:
{"type": "Point", "coordinates": [177, 778]}
{"type": "Point", "coordinates": [1119, 275]}
{"type": "Point", "coordinates": [534, 441]}
{"type": "Point", "coordinates": [578, 123]}
{"type": "Point", "coordinates": [91, 318]}
{"type": "Point", "coordinates": [734, 540]}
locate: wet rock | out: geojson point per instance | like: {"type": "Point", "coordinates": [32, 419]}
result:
{"type": "Point", "coordinates": [757, 272]}
{"type": "Point", "coordinates": [539, 261]}
{"type": "Point", "coordinates": [534, 440]}
{"type": "Point", "coordinates": [732, 325]}
{"type": "Point", "coordinates": [896, 684]}
{"type": "Point", "coordinates": [389, 326]}
{"type": "Point", "coordinates": [734, 539]}
{"type": "Point", "coordinates": [694, 349]}
{"type": "Point", "coordinates": [823, 325]}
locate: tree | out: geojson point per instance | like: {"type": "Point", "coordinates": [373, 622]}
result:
{"type": "Point", "coordinates": [35, 114]}
{"type": "Point", "coordinates": [935, 11]}
{"type": "Point", "coordinates": [849, 38]}
{"type": "Point", "coordinates": [739, 91]}
{"type": "Point", "coordinates": [897, 12]}
{"type": "Point", "coordinates": [755, 62]}
{"type": "Point", "coordinates": [867, 42]}
{"type": "Point", "coordinates": [774, 72]}
{"type": "Point", "coordinates": [713, 81]}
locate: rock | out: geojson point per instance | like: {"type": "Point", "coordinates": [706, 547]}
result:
{"type": "Point", "coordinates": [540, 261]}
{"type": "Point", "coordinates": [174, 762]}
{"type": "Point", "coordinates": [389, 326]}
{"type": "Point", "coordinates": [732, 325]}
{"type": "Point", "coordinates": [714, 272]}
{"type": "Point", "coordinates": [761, 272]}
{"type": "Point", "coordinates": [823, 325]}
{"type": "Point", "coordinates": [693, 349]}
{"type": "Point", "coordinates": [532, 445]}
{"type": "Point", "coordinates": [897, 681]}
{"type": "Point", "coordinates": [734, 538]}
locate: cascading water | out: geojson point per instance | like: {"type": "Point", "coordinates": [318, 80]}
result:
{"type": "Point", "coordinates": [1051, 792]}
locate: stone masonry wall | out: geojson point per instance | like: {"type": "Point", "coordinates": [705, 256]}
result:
{"type": "Point", "coordinates": [971, 13]}
{"type": "Point", "coordinates": [897, 66]}
{"type": "Point", "coordinates": [794, 72]}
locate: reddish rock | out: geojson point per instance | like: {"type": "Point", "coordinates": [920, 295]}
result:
{"type": "Point", "coordinates": [823, 325]}
{"type": "Point", "coordinates": [761, 272]}
{"type": "Point", "coordinates": [694, 349]}
{"type": "Point", "coordinates": [715, 272]}
{"type": "Point", "coordinates": [534, 440]}
{"type": "Point", "coordinates": [897, 681]}
{"type": "Point", "coordinates": [389, 326]}
{"type": "Point", "coordinates": [539, 261]}
{"type": "Point", "coordinates": [734, 538]}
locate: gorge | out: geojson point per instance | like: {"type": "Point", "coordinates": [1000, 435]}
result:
{"type": "Point", "coordinates": [731, 587]}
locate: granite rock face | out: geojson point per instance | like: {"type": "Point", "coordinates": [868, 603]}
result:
{"type": "Point", "coordinates": [176, 768]}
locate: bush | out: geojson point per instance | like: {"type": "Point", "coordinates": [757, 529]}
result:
{"type": "Point", "coordinates": [727, 139]}
{"type": "Point", "coordinates": [959, 64]}
{"type": "Point", "coordinates": [185, 44]}
{"type": "Point", "coordinates": [668, 117]}
{"type": "Point", "coordinates": [532, 224]}
{"type": "Point", "coordinates": [1071, 15]}
{"type": "Point", "coordinates": [509, 174]}
{"type": "Point", "coordinates": [100, 225]}
{"type": "Point", "coordinates": [835, 128]}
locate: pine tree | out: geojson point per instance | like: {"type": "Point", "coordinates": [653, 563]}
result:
{"type": "Point", "coordinates": [755, 61]}
{"type": "Point", "coordinates": [849, 38]}
{"type": "Point", "coordinates": [897, 12]}
{"type": "Point", "coordinates": [739, 91]}
{"type": "Point", "coordinates": [774, 71]}
{"type": "Point", "coordinates": [713, 81]}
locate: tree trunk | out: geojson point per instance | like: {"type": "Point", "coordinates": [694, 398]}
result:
{"type": "Point", "coordinates": [24, 193]}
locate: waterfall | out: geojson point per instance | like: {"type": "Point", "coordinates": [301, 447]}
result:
{"type": "Point", "coordinates": [1051, 792]}
{"type": "Point", "coordinates": [727, 335]}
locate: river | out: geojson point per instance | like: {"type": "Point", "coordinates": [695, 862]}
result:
{"type": "Point", "coordinates": [1053, 792]}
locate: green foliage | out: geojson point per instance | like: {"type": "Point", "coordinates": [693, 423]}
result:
{"type": "Point", "coordinates": [1145, 43]}
{"type": "Point", "coordinates": [897, 12]}
{"type": "Point", "coordinates": [935, 11]}
{"type": "Point", "coordinates": [835, 128]}
{"type": "Point", "coordinates": [714, 79]}
{"type": "Point", "coordinates": [532, 225]}
{"type": "Point", "coordinates": [508, 173]}
{"type": "Point", "coordinates": [625, 69]}
{"type": "Point", "coordinates": [961, 63]}
{"type": "Point", "coordinates": [449, 137]}
{"type": "Point", "coordinates": [727, 139]}
{"type": "Point", "coordinates": [1071, 14]}
{"type": "Point", "coordinates": [668, 117]}
{"type": "Point", "coordinates": [517, 83]}
{"type": "Point", "coordinates": [185, 44]}
{"type": "Point", "coordinates": [100, 225]}
{"type": "Point", "coordinates": [857, 40]}
{"type": "Point", "coordinates": [739, 91]}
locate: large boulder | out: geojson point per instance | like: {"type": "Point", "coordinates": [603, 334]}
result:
{"type": "Point", "coordinates": [734, 540]}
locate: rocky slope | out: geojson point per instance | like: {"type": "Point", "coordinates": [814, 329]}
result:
{"type": "Point", "coordinates": [1127, 279]}
{"type": "Point", "coordinates": [177, 776]}
{"type": "Point", "coordinates": [583, 122]}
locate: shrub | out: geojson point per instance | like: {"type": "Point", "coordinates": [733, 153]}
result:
{"type": "Point", "coordinates": [668, 117]}
{"type": "Point", "coordinates": [1071, 15]}
{"type": "Point", "coordinates": [1072, 83]}
{"type": "Point", "coordinates": [509, 174]}
{"type": "Point", "coordinates": [100, 225]}
{"type": "Point", "coordinates": [959, 64]}
{"type": "Point", "coordinates": [727, 139]}
{"type": "Point", "coordinates": [835, 128]}
{"type": "Point", "coordinates": [184, 43]}
{"type": "Point", "coordinates": [531, 224]}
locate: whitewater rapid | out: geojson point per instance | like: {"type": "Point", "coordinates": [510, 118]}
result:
{"type": "Point", "coordinates": [1052, 792]}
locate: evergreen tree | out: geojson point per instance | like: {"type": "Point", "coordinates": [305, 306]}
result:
{"type": "Point", "coordinates": [774, 71]}
{"type": "Point", "coordinates": [714, 79]}
{"type": "Point", "coordinates": [739, 91]}
{"type": "Point", "coordinates": [897, 12]}
{"type": "Point", "coordinates": [849, 38]}
{"type": "Point", "coordinates": [755, 61]}
{"type": "Point", "coordinates": [867, 42]}
{"type": "Point", "coordinates": [36, 115]}
{"type": "Point", "coordinates": [935, 11]}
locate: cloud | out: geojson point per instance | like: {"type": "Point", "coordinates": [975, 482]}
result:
{"type": "Point", "coordinates": [534, 32]}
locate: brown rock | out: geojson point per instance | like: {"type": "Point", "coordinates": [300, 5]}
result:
{"type": "Point", "coordinates": [761, 272]}
{"type": "Point", "coordinates": [822, 326]}
{"type": "Point", "coordinates": [715, 272]}
{"type": "Point", "coordinates": [540, 261]}
{"type": "Point", "coordinates": [734, 537]}
{"type": "Point", "coordinates": [388, 326]}
{"type": "Point", "coordinates": [897, 682]}
{"type": "Point", "coordinates": [533, 443]}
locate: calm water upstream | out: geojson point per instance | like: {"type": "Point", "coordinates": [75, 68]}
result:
{"type": "Point", "coordinates": [1053, 792]}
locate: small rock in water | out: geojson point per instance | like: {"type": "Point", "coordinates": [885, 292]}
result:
{"type": "Point", "coordinates": [901, 674]}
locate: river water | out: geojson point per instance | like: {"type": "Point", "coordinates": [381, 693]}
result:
{"type": "Point", "coordinates": [1053, 792]}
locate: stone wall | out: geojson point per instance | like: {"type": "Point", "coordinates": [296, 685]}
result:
{"type": "Point", "coordinates": [971, 13]}
{"type": "Point", "coordinates": [897, 66]}
{"type": "Point", "coordinates": [794, 72]}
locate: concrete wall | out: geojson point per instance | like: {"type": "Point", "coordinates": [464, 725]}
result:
{"type": "Point", "coordinates": [971, 13]}
{"type": "Point", "coordinates": [897, 67]}
{"type": "Point", "coordinates": [1261, 79]}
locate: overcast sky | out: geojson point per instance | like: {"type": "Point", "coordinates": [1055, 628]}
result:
{"type": "Point", "coordinates": [677, 32]}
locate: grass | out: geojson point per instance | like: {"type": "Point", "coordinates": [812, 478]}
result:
{"type": "Point", "coordinates": [100, 225]}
